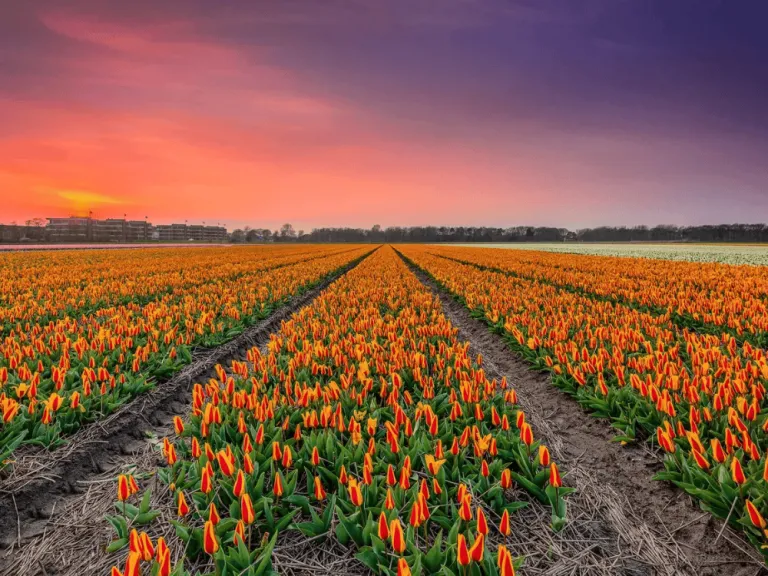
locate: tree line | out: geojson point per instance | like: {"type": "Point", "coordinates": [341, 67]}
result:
{"type": "Point", "coordinates": [663, 233]}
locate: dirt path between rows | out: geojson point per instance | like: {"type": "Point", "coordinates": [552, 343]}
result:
{"type": "Point", "coordinates": [43, 480]}
{"type": "Point", "coordinates": [655, 528]}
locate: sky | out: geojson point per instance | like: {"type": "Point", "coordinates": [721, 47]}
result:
{"type": "Point", "coordinates": [398, 112]}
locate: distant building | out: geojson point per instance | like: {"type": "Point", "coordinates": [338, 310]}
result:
{"type": "Point", "coordinates": [194, 233]}
{"type": "Point", "coordinates": [70, 229]}
{"type": "Point", "coordinates": [75, 229]}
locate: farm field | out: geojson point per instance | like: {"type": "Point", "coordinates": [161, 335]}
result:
{"type": "Point", "coordinates": [417, 409]}
{"type": "Point", "coordinates": [753, 254]}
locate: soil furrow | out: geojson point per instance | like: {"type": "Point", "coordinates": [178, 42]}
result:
{"type": "Point", "coordinates": [47, 479]}
{"type": "Point", "coordinates": [656, 528]}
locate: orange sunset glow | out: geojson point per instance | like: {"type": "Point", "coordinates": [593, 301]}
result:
{"type": "Point", "coordinates": [354, 115]}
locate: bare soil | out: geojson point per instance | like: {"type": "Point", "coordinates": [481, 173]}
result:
{"type": "Point", "coordinates": [655, 527]}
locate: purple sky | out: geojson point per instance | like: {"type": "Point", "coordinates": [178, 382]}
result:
{"type": "Point", "coordinates": [326, 112]}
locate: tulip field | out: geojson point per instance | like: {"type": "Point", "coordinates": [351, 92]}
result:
{"type": "Point", "coordinates": [83, 332]}
{"type": "Point", "coordinates": [623, 337]}
{"type": "Point", "coordinates": [367, 419]}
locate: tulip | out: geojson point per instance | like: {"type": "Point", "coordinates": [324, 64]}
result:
{"type": "Point", "coordinates": [355, 495]}
{"type": "Point", "coordinates": [396, 536]}
{"type": "Point", "coordinates": [277, 454]}
{"type": "Point", "coordinates": [206, 485]}
{"type": "Point", "coordinates": [183, 508]}
{"type": "Point", "coordinates": [554, 476]}
{"type": "Point", "coordinates": [123, 488]}
{"type": "Point", "coordinates": [226, 464]}
{"type": "Point", "coordinates": [239, 487]}
{"type": "Point", "coordinates": [543, 456]}
{"type": "Point", "coordinates": [482, 523]}
{"type": "Point", "coordinates": [287, 457]}
{"type": "Point", "coordinates": [526, 434]}
{"type": "Point", "coordinates": [402, 568]}
{"type": "Point", "coordinates": [755, 517]}
{"type": "Point", "coordinates": [210, 542]}
{"type": "Point", "coordinates": [246, 509]}
{"type": "Point", "coordinates": [415, 519]}
{"type": "Point", "coordinates": [315, 456]}
{"type": "Point", "coordinates": [213, 514]}
{"type": "Point", "coordinates": [343, 478]}
{"type": "Point", "coordinates": [504, 562]}
{"type": "Point", "coordinates": [462, 553]}
{"type": "Point", "coordinates": [277, 487]}
{"type": "Point", "coordinates": [389, 502]}
{"type": "Point", "coordinates": [504, 524]}
{"type": "Point", "coordinates": [478, 548]}
{"type": "Point", "coordinates": [465, 512]}
{"type": "Point", "coordinates": [133, 564]}
{"type": "Point", "coordinates": [383, 532]}
{"type": "Point", "coordinates": [239, 534]}
{"type": "Point", "coordinates": [178, 425]}
{"type": "Point", "coordinates": [164, 563]}
{"type": "Point", "coordinates": [320, 493]}
{"type": "Point", "coordinates": [147, 549]}
{"type": "Point", "coordinates": [717, 450]}
{"type": "Point", "coordinates": [737, 473]}
{"type": "Point", "coordinates": [506, 479]}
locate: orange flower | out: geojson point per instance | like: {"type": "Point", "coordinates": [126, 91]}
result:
{"type": "Point", "coordinates": [482, 523]}
{"type": "Point", "coordinates": [343, 478]}
{"type": "Point", "coordinates": [287, 457]}
{"type": "Point", "coordinates": [320, 493]}
{"type": "Point", "coordinates": [478, 548]}
{"type": "Point", "coordinates": [462, 553]}
{"type": "Point", "coordinates": [383, 531]}
{"type": "Point", "coordinates": [226, 464]}
{"type": "Point", "coordinates": [465, 512]}
{"type": "Point", "coordinates": [210, 542]}
{"type": "Point", "coordinates": [146, 546]}
{"type": "Point", "coordinates": [133, 564]}
{"type": "Point", "coordinates": [402, 568]}
{"type": "Point", "coordinates": [183, 508]}
{"type": "Point", "coordinates": [205, 481]}
{"type": "Point", "coordinates": [396, 536]}
{"type": "Point", "coordinates": [277, 454]}
{"type": "Point", "coordinates": [506, 479]}
{"type": "Point", "coordinates": [543, 456]}
{"type": "Point", "coordinates": [164, 563]}
{"type": "Point", "coordinates": [484, 469]}
{"type": "Point", "coordinates": [433, 465]}
{"type": "Point", "coordinates": [415, 519]}
{"type": "Point", "coordinates": [717, 450]}
{"type": "Point", "coordinates": [239, 534]}
{"type": "Point", "coordinates": [178, 425]}
{"type": "Point", "coordinates": [554, 476]}
{"type": "Point", "coordinates": [213, 514]}
{"type": "Point", "coordinates": [123, 488]}
{"type": "Point", "coordinates": [277, 488]}
{"type": "Point", "coordinates": [389, 502]}
{"type": "Point", "coordinates": [526, 434]}
{"type": "Point", "coordinates": [737, 473]}
{"type": "Point", "coordinates": [504, 562]}
{"type": "Point", "coordinates": [755, 517]}
{"type": "Point", "coordinates": [355, 495]}
{"type": "Point", "coordinates": [504, 525]}
{"type": "Point", "coordinates": [246, 509]}
{"type": "Point", "coordinates": [701, 460]}
{"type": "Point", "coordinates": [239, 486]}
{"type": "Point", "coordinates": [315, 456]}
